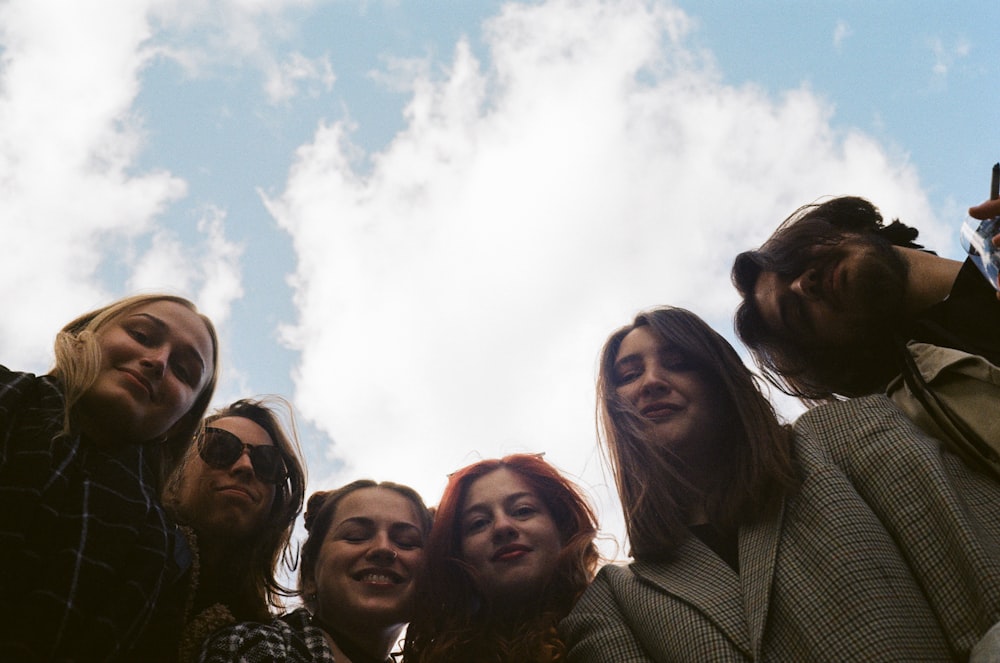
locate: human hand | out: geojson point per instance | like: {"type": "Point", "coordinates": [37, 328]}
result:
{"type": "Point", "coordinates": [987, 210]}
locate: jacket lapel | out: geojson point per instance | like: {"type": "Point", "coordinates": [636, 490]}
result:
{"type": "Point", "coordinates": [701, 579]}
{"type": "Point", "coordinates": [758, 557]}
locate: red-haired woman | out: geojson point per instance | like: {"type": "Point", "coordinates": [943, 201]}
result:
{"type": "Point", "coordinates": [511, 550]}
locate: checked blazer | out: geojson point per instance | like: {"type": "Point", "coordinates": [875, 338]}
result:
{"type": "Point", "coordinates": [888, 551]}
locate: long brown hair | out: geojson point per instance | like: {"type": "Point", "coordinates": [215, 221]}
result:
{"type": "Point", "coordinates": [810, 373]}
{"type": "Point", "coordinates": [457, 621]}
{"type": "Point", "coordinates": [753, 465]}
{"type": "Point", "coordinates": [254, 590]}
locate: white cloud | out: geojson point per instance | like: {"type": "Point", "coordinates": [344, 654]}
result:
{"type": "Point", "coordinates": [202, 37]}
{"type": "Point", "coordinates": [945, 56]}
{"type": "Point", "coordinates": [455, 288]}
{"type": "Point", "coordinates": [285, 79]}
{"type": "Point", "coordinates": [67, 144]}
{"type": "Point", "coordinates": [75, 206]}
{"type": "Point", "coordinates": [841, 31]}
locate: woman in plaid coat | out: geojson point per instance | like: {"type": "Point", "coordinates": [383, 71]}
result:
{"type": "Point", "coordinates": [851, 537]}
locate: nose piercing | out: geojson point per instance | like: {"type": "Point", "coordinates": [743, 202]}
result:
{"type": "Point", "coordinates": [393, 554]}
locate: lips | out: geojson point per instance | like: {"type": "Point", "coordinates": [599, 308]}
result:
{"type": "Point", "coordinates": [238, 489]}
{"type": "Point", "coordinates": [378, 577]}
{"type": "Point", "coordinates": [510, 553]}
{"type": "Point", "coordinates": [138, 377]}
{"type": "Point", "coordinates": [659, 410]}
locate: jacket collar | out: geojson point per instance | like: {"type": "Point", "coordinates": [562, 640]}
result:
{"type": "Point", "coordinates": [736, 604]}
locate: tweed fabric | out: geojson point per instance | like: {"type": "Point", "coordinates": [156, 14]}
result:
{"type": "Point", "coordinates": [290, 638]}
{"type": "Point", "coordinates": [889, 551]}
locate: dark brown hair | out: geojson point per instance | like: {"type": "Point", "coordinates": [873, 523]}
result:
{"type": "Point", "coordinates": [753, 467]}
{"type": "Point", "coordinates": [321, 509]}
{"type": "Point", "coordinates": [808, 372]}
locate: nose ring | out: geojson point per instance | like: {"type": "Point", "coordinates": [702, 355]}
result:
{"type": "Point", "coordinates": [393, 555]}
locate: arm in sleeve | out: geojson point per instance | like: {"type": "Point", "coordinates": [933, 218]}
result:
{"type": "Point", "coordinates": [596, 631]}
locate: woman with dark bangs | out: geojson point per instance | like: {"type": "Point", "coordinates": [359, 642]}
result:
{"type": "Point", "coordinates": [511, 550]}
{"type": "Point", "coordinates": [853, 537]}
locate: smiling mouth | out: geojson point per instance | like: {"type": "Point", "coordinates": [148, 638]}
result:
{"type": "Point", "coordinates": [659, 411]}
{"type": "Point", "coordinates": [510, 553]}
{"type": "Point", "coordinates": [140, 380]}
{"type": "Point", "coordinates": [378, 578]}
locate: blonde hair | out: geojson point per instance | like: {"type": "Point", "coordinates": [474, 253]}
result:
{"type": "Point", "coordinates": [78, 363]}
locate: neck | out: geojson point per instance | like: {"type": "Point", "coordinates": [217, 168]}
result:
{"type": "Point", "coordinates": [929, 279]}
{"type": "Point", "coordinates": [215, 578]}
{"type": "Point", "coordinates": [214, 555]}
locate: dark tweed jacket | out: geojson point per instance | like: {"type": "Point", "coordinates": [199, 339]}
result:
{"type": "Point", "coordinates": [890, 551]}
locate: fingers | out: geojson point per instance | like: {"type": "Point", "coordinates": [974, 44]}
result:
{"type": "Point", "coordinates": [986, 210]}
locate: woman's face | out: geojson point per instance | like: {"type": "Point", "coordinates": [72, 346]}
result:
{"type": "Point", "coordinates": [155, 361]}
{"type": "Point", "coordinates": [509, 536]}
{"type": "Point", "coordinates": [229, 503]}
{"type": "Point", "coordinates": [369, 561]}
{"type": "Point", "coordinates": [667, 391]}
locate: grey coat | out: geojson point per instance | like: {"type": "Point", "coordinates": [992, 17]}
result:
{"type": "Point", "coordinates": [889, 551]}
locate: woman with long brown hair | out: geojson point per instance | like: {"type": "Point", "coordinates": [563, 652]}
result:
{"type": "Point", "coordinates": [852, 537]}
{"type": "Point", "coordinates": [235, 495]}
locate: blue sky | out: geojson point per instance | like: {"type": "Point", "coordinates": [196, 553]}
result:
{"type": "Point", "coordinates": [419, 220]}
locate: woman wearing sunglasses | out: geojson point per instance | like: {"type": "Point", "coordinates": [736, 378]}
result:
{"type": "Point", "coordinates": [236, 495]}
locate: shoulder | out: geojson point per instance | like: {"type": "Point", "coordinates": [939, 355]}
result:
{"type": "Point", "coordinates": [858, 430]}
{"type": "Point", "coordinates": [17, 388]}
{"type": "Point", "coordinates": [288, 638]}
{"type": "Point", "coordinates": [606, 591]}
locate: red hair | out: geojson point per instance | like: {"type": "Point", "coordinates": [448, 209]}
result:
{"type": "Point", "coordinates": [457, 621]}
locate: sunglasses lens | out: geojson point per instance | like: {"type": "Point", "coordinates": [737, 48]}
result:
{"type": "Point", "coordinates": [267, 464]}
{"type": "Point", "coordinates": [219, 448]}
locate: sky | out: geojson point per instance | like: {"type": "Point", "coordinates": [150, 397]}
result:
{"type": "Point", "coordinates": [419, 221]}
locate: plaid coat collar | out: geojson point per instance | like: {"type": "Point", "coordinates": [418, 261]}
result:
{"type": "Point", "coordinates": [700, 578]}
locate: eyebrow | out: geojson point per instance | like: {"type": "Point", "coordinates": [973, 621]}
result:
{"type": "Point", "coordinates": [163, 326]}
{"type": "Point", "coordinates": [633, 358]}
{"type": "Point", "coordinates": [368, 522]}
{"type": "Point", "coordinates": [513, 497]}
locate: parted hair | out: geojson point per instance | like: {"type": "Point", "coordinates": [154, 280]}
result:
{"type": "Point", "coordinates": [809, 373]}
{"type": "Point", "coordinates": [78, 364]}
{"type": "Point", "coordinates": [257, 591]}
{"type": "Point", "coordinates": [752, 466]}
{"type": "Point", "coordinates": [320, 511]}
{"type": "Point", "coordinates": [457, 622]}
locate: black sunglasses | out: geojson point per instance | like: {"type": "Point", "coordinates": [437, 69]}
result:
{"type": "Point", "coordinates": [220, 449]}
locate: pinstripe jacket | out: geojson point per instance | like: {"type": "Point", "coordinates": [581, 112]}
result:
{"type": "Point", "coordinates": [889, 551]}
